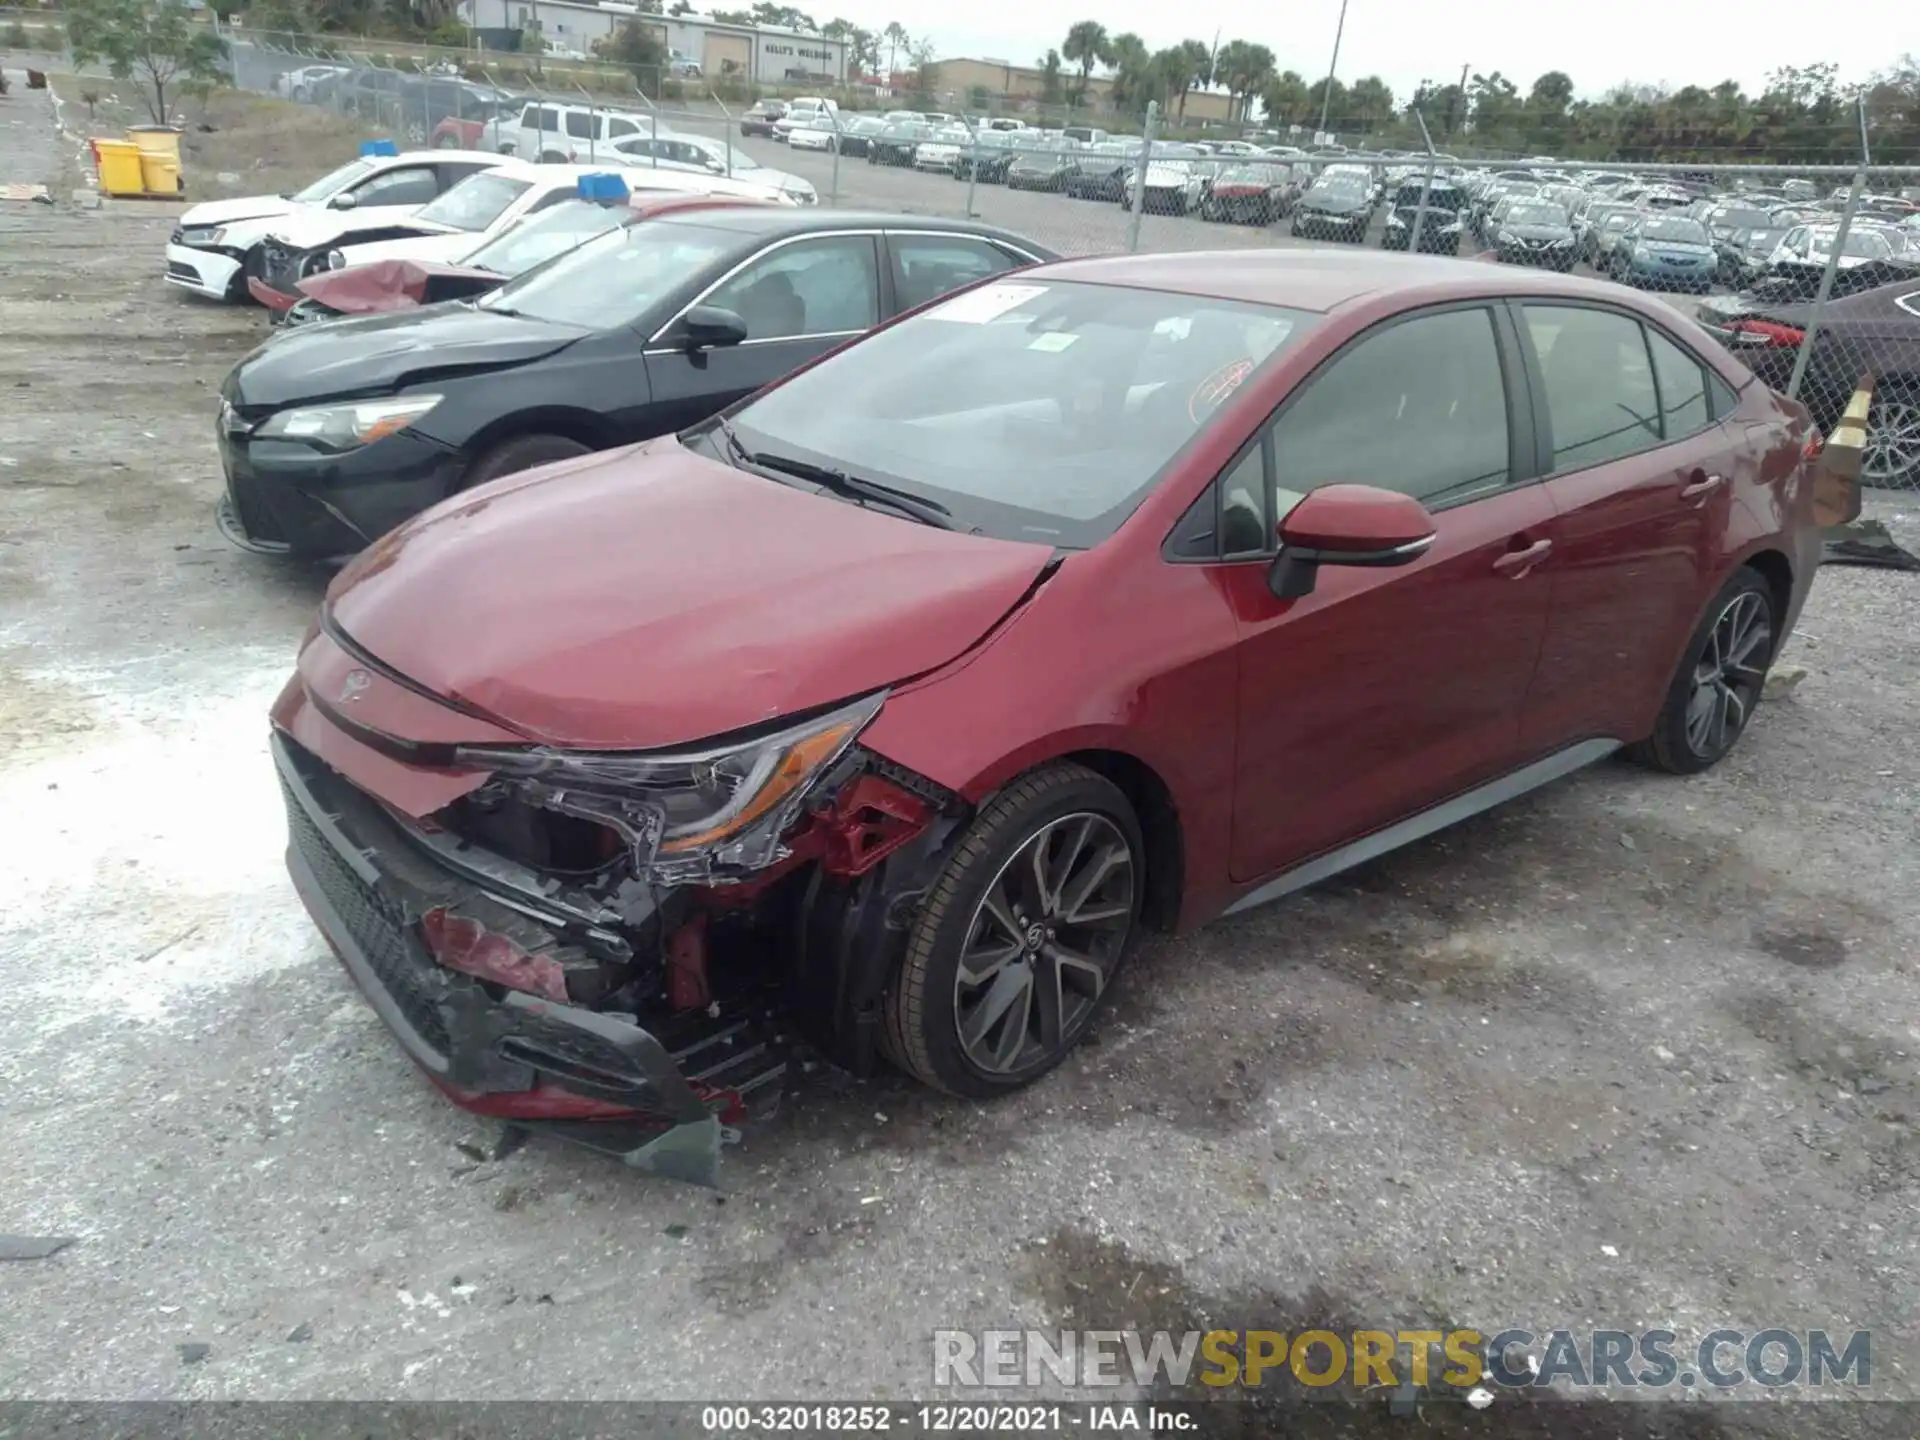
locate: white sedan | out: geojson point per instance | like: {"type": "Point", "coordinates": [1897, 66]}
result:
{"type": "Point", "coordinates": [942, 150]}
{"type": "Point", "coordinates": [813, 135]}
{"type": "Point", "coordinates": [217, 246]}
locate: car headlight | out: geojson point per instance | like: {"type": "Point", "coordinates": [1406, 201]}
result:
{"type": "Point", "coordinates": [336, 260]}
{"type": "Point", "coordinates": [349, 425]}
{"type": "Point", "coordinates": [688, 815]}
{"type": "Point", "coordinates": [801, 191]}
{"type": "Point", "coordinates": [203, 235]}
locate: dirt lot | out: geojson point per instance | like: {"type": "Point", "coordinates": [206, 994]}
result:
{"type": "Point", "coordinates": [1633, 1052]}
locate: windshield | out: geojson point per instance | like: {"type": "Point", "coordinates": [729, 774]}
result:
{"type": "Point", "coordinates": [1863, 244]}
{"type": "Point", "coordinates": [1742, 219]}
{"type": "Point", "coordinates": [1338, 187]}
{"type": "Point", "coordinates": [330, 184]}
{"type": "Point", "coordinates": [543, 236]}
{"type": "Point", "coordinates": [907, 130]}
{"type": "Point", "coordinates": [615, 279]}
{"type": "Point", "coordinates": [476, 202]}
{"type": "Point", "coordinates": [1536, 214]}
{"type": "Point", "coordinates": [1035, 412]}
{"type": "Point", "coordinates": [1675, 231]}
{"type": "Point", "coordinates": [1763, 238]}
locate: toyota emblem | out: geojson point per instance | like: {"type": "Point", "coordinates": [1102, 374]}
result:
{"type": "Point", "coordinates": [354, 685]}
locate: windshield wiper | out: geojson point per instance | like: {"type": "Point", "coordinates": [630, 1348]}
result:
{"type": "Point", "coordinates": [853, 487]}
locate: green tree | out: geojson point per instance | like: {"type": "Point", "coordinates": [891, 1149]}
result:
{"type": "Point", "coordinates": [1327, 96]}
{"type": "Point", "coordinates": [1128, 57]}
{"type": "Point", "coordinates": [1244, 68]}
{"type": "Point", "coordinates": [637, 47]}
{"type": "Point", "coordinates": [1369, 103]}
{"type": "Point", "coordinates": [897, 40]}
{"type": "Point", "coordinates": [1284, 99]}
{"type": "Point", "coordinates": [1052, 91]}
{"type": "Point", "coordinates": [783, 17]}
{"type": "Point", "coordinates": [863, 46]}
{"type": "Point", "coordinates": [154, 43]}
{"type": "Point", "coordinates": [1191, 66]}
{"type": "Point", "coordinates": [1086, 46]}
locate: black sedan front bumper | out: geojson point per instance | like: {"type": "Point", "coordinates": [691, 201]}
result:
{"type": "Point", "coordinates": [591, 1077]}
{"type": "Point", "coordinates": [287, 498]}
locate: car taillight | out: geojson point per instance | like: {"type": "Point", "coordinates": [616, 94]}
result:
{"type": "Point", "coordinates": [462, 943]}
{"type": "Point", "coordinates": [1770, 334]}
{"type": "Point", "coordinates": [1810, 452]}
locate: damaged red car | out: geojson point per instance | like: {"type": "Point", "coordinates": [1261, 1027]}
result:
{"type": "Point", "coordinates": [877, 718]}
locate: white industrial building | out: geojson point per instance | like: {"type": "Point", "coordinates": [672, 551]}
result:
{"type": "Point", "coordinates": [752, 53]}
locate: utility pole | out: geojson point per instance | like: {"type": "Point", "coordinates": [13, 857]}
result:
{"type": "Point", "coordinates": [1460, 100]}
{"type": "Point", "coordinates": [1326, 94]}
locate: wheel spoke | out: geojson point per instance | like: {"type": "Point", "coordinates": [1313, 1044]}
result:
{"type": "Point", "coordinates": [1074, 906]}
{"type": "Point", "coordinates": [1085, 974]}
{"type": "Point", "coordinates": [982, 962]}
{"type": "Point", "coordinates": [1010, 991]}
{"type": "Point", "coordinates": [1049, 1004]}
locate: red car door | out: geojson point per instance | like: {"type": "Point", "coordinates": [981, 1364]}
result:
{"type": "Point", "coordinates": [1643, 478]}
{"type": "Point", "coordinates": [1387, 690]}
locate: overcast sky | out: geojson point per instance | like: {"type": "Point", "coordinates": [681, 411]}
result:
{"type": "Point", "coordinates": [1644, 41]}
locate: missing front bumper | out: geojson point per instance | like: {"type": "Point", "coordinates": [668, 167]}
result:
{"type": "Point", "coordinates": [594, 1078]}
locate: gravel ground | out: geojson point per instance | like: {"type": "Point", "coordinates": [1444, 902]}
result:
{"type": "Point", "coordinates": [1633, 1051]}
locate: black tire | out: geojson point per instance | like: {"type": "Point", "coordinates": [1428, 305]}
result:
{"type": "Point", "coordinates": [1676, 744]}
{"type": "Point", "coordinates": [522, 452]}
{"type": "Point", "coordinates": [552, 157]}
{"type": "Point", "coordinates": [252, 265]}
{"type": "Point", "coordinates": [922, 1009]}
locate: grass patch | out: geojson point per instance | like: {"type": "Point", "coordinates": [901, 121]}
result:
{"type": "Point", "coordinates": [265, 145]}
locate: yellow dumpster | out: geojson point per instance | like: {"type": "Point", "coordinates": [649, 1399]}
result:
{"type": "Point", "coordinates": [157, 140]}
{"type": "Point", "coordinates": [118, 162]}
{"type": "Point", "coordinates": [159, 174]}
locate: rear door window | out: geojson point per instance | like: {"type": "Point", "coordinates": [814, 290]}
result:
{"type": "Point", "coordinates": [580, 125]}
{"type": "Point", "coordinates": [927, 266]}
{"type": "Point", "coordinates": [409, 185]}
{"type": "Point", "coordinates": [1600, 395]}
{"type": "Point", "coordinates": [1682, 381]}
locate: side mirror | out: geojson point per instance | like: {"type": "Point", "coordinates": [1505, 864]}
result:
{"type": "Point", "coordinates": [1347, 525]}
{"type": "Point", "coordinates": [708, 327]}
{"type": "Point", "coordinates": [343, 201]}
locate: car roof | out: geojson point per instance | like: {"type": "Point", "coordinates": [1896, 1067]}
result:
{"type": "Point", "coordinates": [780, 220]}
{"type": "Point", "coordinates": [1316, 280]}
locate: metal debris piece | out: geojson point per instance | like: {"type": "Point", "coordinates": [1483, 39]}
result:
{"type": "Point", "coordinates": [1864, 542]}
{"type": "Point", "coordinates": [1782, 681]}
{"type": "Point", "coordinates": [33, 1247]}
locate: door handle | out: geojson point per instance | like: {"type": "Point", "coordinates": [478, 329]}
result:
{"type": "Point", "coordinates": [1516, 563]}
{"type": "Point", "coordinates": [1703, 487]}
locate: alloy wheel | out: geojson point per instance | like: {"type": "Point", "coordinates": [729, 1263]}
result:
{"type": "Point", "coordinates": [1892, 454]}
{"type": "Point", "coordinates": [1044, 941]}
{"type": "Point", "coordinates": [1728, 675]}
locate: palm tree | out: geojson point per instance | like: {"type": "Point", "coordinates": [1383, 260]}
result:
{"type": "Point", "coordinates": [1244, 69]}
{"type": "Point", "coordinates": [1369, 100]}
{"type": "Point", "coordinates": [1194, 67]}
{"type": "Point", "coordinates": [897, 40]}
{"type": "Point", "coordinates": [1086, 45]}
{"type": "Point", "coordinates": [1284, 98]}
{"type": "Point", "coordinates": [1128, 57]}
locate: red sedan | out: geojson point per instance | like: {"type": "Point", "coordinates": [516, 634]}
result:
{"type": "Point", "coordinates": [878, 717]}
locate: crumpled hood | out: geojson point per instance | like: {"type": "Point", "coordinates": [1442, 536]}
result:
{"type": "Point", "coordinates": [442, 247]}
{"type": "Point", "coordinates": [395, 285]}
{"type": "Point", "coordinates": [225, 212]}
{"type": "Point", "coordinates": [372, 354]}
{"type": "Point", "coordinates": [648, 597]}
{"type": "Point", "coordinates": [315, 229]}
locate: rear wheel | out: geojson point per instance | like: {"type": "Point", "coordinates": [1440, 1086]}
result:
{"type": "Point", "coordinates": [1719, 681]}
{"type": "Point", "coordinates": [522, 452]}
{"type": "Point", "coordinates": [1892, 455]}
{"type": "Point", "coordinates": [1022, 938]}
{"type": "Point", "coordinates": [252, 266]}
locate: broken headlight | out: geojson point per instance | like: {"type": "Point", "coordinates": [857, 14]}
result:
{"type": "Point", "coordinates": [688, 815]}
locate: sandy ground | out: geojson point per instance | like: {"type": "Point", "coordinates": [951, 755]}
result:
{"type": "Point", "coordinates": [1634, 1051]}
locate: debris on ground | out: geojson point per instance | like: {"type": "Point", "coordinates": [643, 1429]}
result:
{"type": "Point", "coordinates": [33, 1247]}
{"type": "Point", "coordinates": [1782, 681]}
{"type": "Point", "coordinates": [194, 1351]}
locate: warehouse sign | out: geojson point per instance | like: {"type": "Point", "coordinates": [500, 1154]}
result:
{"type": "Point", "coordinates": [781, 57]}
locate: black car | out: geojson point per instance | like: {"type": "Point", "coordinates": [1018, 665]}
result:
{"type": "Point", "coordinates": [1440, 224]}
{"type": "Point", "coordinates": [856, 135]}
{"type": "Point", "coordinates": [1100, 171]}
{"type": "Point", "coordinates": [990, 156]}
{"type": "Point", "coordinates": [1337, 206]}
{"type": "Point", "coordinates": [1744, 255]}
{"type": "Point", "coordinates": [758, 117]}
{"type": "Point", "coordinates": [1535, 232]}
{"type": "Point", "coordinates": [330, 435]}
{"type": "Point", "coordinates": [1870, 328]}
{"type": "Point", "coordinates": [1045, 167]}
{"type": "Point", "coordinates": [897, 141]}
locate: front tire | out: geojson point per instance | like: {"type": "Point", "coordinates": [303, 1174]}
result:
{"type": "Point", "coordinates": [522, 452]}
{"type": "Point", "coordinates": [1022, 938]}
{"type": "Point", "coordinates": [1719, 682]}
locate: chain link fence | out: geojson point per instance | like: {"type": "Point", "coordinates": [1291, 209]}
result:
{"type": "Point", "coordinates": [1807, 268]}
